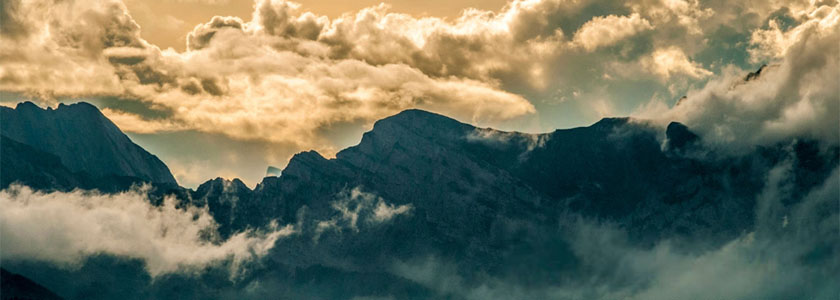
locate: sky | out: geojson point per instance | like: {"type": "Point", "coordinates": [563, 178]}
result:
{"type": "Point", "coordinates": [227, 88]}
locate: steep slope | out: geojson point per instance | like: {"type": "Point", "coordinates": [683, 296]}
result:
{"type": "Point", "coordinates": [17, 287]}
{"type": "Point", "coordinates": [83, 139]}
{"type": "Point", "coordinates": [22, 164]}
{"type": "Point", "coordinates": [37, 169]}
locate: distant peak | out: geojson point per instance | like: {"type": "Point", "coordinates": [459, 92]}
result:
{"type": "Point", "coordinates": [273, 171]}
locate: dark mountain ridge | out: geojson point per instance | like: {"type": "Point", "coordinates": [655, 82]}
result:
{"type": "Point", "coordinates": [617, 169]}
{"type": "Point", "coordinates": [500, 204]}
{"type": "Point", "coordinates": [83, 139]}
{"type": "Point", "coordinates": [497, 201]}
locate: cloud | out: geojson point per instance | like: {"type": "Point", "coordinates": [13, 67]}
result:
{"type": "Point", "coordinates": [207, 2]}
{"type": "Point", "coordinates": [65, 228]}
{"type": "Point", "coordinates": [794, 97]}
{"type": "Point", "coordinates": [606, 31]}
{"type": "Point", "coordinates": [672, 61]}
{"type": "Point", "coordinates": [774, 42]}
{"type": "Point", "coordinates": [288, 76]}
{"type": "Point", "coordinates": [136, 124]}
{"type": "Point", "coordinates": [201, 35]}
{"type": "Point", "coordinates": [686, 14]}
{"type": "Point", "coordinates": [64, 57]}
{"type": "Point", "coordinates": [355, 205]}
{"type": "Point", "coordinates": [279, 77]}
{"type": "Point", "coordinates": [385, 212]}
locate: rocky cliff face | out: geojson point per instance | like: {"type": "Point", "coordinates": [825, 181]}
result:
{"type": "Point", "coordinates": [83, 139]}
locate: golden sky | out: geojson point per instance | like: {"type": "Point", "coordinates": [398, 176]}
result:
{"type": "Point", "coordinates": [251, 92]}
{"type": "Point", "coordinates": [167, 22]}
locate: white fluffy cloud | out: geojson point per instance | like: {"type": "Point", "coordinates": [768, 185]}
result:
{"type": "Point", "coordinates": [279, 77]}
{"type": "Point", "coordinates": [605, 31]}
{"type": "Point", "coordinates": [795, 96]}
{"type": "Point", "coordinates": [774, 42]}
{"type": "Point", "coordinates": [355, 205]}
{"type": "Point", "coordinates": [671, 61]}
{"type": "Point", "coordinates": [65, 228]}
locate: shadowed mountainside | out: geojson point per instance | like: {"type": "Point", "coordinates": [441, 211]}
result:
{"type": "Point", "coordinates": [16, 287]}
{"type": "Point", "coordinates": [423, 188]}
{"type": "Point", "coordinates": [83, 139]}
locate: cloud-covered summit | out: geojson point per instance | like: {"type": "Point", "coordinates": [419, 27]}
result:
{"type": "Point", "coordinates": [796, 95]}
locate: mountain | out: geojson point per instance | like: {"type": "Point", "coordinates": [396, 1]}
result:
{"type": "Point", "coordinates": [466, 184]}
{"type": "Point", "coordinates": [83, 139]}
{"type": "Point", "coordinates": [427, 207]}
{"type": "Point", "coordinates": [35, 168]}
{"type": "Point", "coordinates": [44, 171]}
{"type": "Point", "coordinates": [437, 163]}
{"type": "Point", "coordinates": [17, 287]}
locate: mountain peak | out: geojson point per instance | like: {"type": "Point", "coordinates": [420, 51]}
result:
{"type": "Point", "coordinates": [417, 122]}
{"type": "Point", "coordinates": [84, 139]}
{"type": "Point", "coordinates": [305, 164]}
{"type": "Point", "coordinates": [417, 118]}
{"type": "Point", "coordinates": [416, 112]}
{"type": "Point", "coordinates": [26, 105]}
{"type": "Point", "coordinates": [224, 185]}
{"type": "Point", "coordinates": [73, 107]}
{"type": "Point", "coordinates": [79, 107]}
